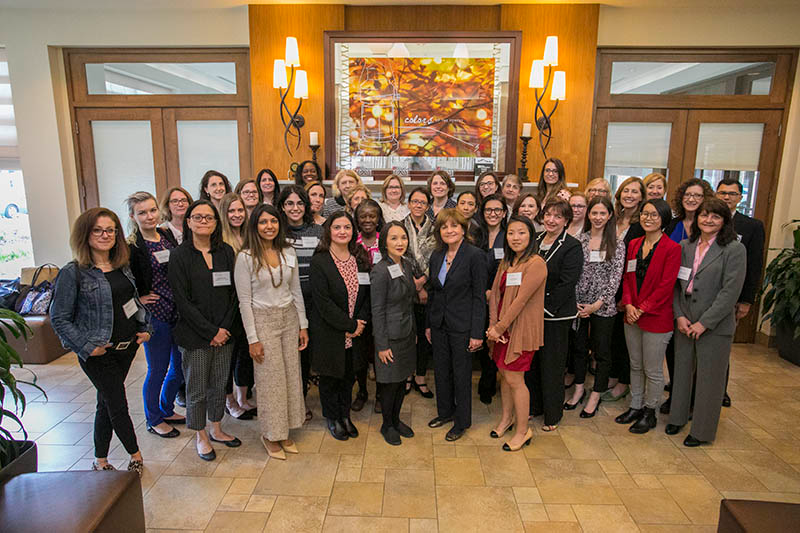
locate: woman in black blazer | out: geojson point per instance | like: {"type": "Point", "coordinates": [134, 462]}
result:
{"type": "Point", "coordinates": [564, 256]}
{"type": "Point", "coordinates": [340, 288]}
{"type": "Point", "coordinates": [455, 321]}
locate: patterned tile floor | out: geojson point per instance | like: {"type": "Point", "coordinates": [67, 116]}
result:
{"type": "Point", "coordinates": [589, 475]}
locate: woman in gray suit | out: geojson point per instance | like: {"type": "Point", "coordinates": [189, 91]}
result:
{"type": "Point", "coordinates": [393, 326]}
{"type": "Point", "coordinates": [710, 279]}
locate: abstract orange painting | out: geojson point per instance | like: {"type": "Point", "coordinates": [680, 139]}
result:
{"type": "Point", "coordinates": [423, 107]}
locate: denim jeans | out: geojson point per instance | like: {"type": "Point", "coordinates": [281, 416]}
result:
{"type": "Point", "coordinates": [161, 384]}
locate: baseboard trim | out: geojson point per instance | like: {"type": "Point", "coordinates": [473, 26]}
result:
{"type": "Point", "coordinates": [766, 340]}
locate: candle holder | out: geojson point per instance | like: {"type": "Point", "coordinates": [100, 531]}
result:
{"type": "Point", "coordinates": [314, 149]}
{"type": "Point", "coordinates": [522, 171]}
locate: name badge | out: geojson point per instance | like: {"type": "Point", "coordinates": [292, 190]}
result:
{"type": "Point", "coordinates": [376, 258]}
{"type": "Point", "coordinates": [395, 271]}
{"type": "Point", "coordinates": [499, 253]}
{"type": "Point", "coordinates": [631, 266]}
{"type": "Point", "coordinates": [684, 273]}
{"type": "Point", "coordinates": [309, 242]}
{"type": "Point", "coordinates": [221, 279]}
{"type": "Point", "coordinates": [514, 279]}
{"type": "Point", "coordinates": [363, 278]}
{"type": "Point", "coordinates": [130, 308]}
{"type": "Point", "coordinates": [291, 260]}
{"type": "Point", "coordinates": [739, 237]}
{"type": "Point", "coordinates": [596, 256]}
{"type": "Point", "coordinates": [162, 256]}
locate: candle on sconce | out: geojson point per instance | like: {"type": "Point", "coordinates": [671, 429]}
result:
{"type": "Point", "coordinates": [313, 138]}
{"type": "Point", "coordinates": [526, 129]}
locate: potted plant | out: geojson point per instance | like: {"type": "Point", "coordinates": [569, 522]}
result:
{"type": "Point", "coordinates": [16, 456]}
{"type": "Point", "coordinates": [781, 303]}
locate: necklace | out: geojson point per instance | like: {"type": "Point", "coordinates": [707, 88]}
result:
{"type": "Point", "coordinates": [337, 257]}
{"type": "Point", "coordinates": [272, 277]}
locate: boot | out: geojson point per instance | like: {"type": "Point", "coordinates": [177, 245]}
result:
{"type": "Point", "coordinates": [631, 415]}
{"type": "Point", "coordinates": [646, 423]}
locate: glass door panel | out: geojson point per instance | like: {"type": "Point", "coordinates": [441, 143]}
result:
{"type": "Point", "coordinates": [205, 145]}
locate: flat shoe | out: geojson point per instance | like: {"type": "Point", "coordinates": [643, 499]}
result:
{"type": "Point", "coordinates": [175, 421]}
{"type": "Point", "coordinates": [350, 428]}
{"type": "Point", "coordinates": [391, 436]}
{"type": "Point", "coordinates": [210, 456]}
{"type": "Point", "coordinates": [404, 430]}
{"type": "Point", "coordinates": [608, 396]}
{"type": "Point", "coordinates": [439, 421]}
{"type": "Point", "coordinates": [358, 403]}
{"type": "Point", "coordinates": [136, 466]}
{"type": "Point", "coordinates": [277, 454]}
{"type": "Point", "coordinates": [97, 467]}
{"type": "Point", "coordinates": [289, 448]}
{"type": "Point", "coordinates": [233, 443]}
{"type": "Point", "coordinates": [691, 442]}
{"type": "Point", "coordinates": [171, 434]}
{"type": "Point", "coordinates": [454, 434]}
{"type": "Point", "coordinates": [673, 429]}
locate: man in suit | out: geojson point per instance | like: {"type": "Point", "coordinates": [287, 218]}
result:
{"type": "Point", "coordinates": [750, 232]}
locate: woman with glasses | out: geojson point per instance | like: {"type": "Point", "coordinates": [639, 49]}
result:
{"type": "Point", "coordinates": [214, 186]}
{"type": "Point", "coordinates": [173, 208]}
{"type": "Point", "coordinates": [96, 313]}
{"type": "Point", "coordinates": [441, 189]}
{"type": "Point", "coordinates": [655, 186]}
{"type": "Point", "coordinates": [393, 199]}
{"type": "Point", "coordinates": [268, 186]}
{"type": "Point", "coordinates": [578, 203]}
{"type": "Point", "coordinates": [316, 200]}
{"type": "Point", "coordinates": [551, 180]}
{"type": "Point", "coordinates": [487, 184]}
{"type": "Point", "coordinates": [201, 276]}
{"type": "Point", "coordinates": [598, 186]}
{"type": "Point", "coordinates": [250, 194]}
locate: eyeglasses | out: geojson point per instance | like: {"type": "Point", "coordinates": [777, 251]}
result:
{"type": "Point", "coordinates": [393, 187]}
{"type": "Point", "coordinates": [202, 218]}
{"type": "Point", "coordinates": [726, 194]}
{"type": "Point", "coordinates": [493, 210]}
{"type": "Point", "coordinates": [649, 215]}
{"type": "Point", "coordinates": [97, 232]}
{"type": "Point", "coordinates": [596, 191]}
{"type": "Point", "coordinates": [418, 202]}
{"type": "Point", "coordinates": [177, 201]}
{"type": "Point", "coordinates": [249, 193]}
{"type": "Point", "coordinates": [578, 206]}
{"type": "Point", "coordinates": [486, 184]}
{"type": "Point", "coordinates": [693, 196]}
{"type": "Point", "coordinates": [550, 171]}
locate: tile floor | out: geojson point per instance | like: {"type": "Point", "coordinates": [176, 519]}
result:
{"type": "Point", "coordinates": [589, 475]}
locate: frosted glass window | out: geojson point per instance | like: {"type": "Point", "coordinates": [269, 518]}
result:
{"type": "Point", "coordinates": [123, 152]}
{"type": "Point", "coordinates": [638, 144]}
{"type": "Point", "coordinates": [207, 145]}
{"type": "Point", "coordinates": [670, 78]}
{"type": "Point", "coordinates": [161, 78]}
{"type": "Point", "coordinates": [729, 146]}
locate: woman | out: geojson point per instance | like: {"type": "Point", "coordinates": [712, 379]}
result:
{"type": "Point", "coordinates": [304, 235]}
{"type": "Point", "coordinates": [705, 308]}
{"type": "Point", "coordinates": [240, 376]}
{"type": "Point", "coordinates": [250, 193]}
{"type": "Point", "coordinates": [339, 285]}
{"type": "Point", "coordinates": [150, 248]}
{"type": "Point", "coordinates": [516, 313]}
{"type": "Point", "coordinates": [201, 276]}
{"type": "Point", "coordinates": [392, 295]}
{"type": "Point", "coordinates": [598, 186]}
{"type": "Point", "coordinates": [603, 260]}
{"type": "Point", "coordinates": [467, 205]}
{"type": "Point", "coordinates": [393, 199]}
{"type": "Point", "coordinates": [274, 317]}
{"type": "Point", "coordinates": [441, 189]}
{"type": "Point", "coordinates": [316, 200]}
{"type": "Point", "coordinates": [486, 185]}
{"type": "Point", "coordinates": [268, 184]}
{"type": "Point", "coordinates": [173, 208]}
{"type": "Point", "coordinates": [214, 186]}
{"type": "Point", "coordinates": [343, 183]}
{"type": "Point", "coordinates": [512, 187]}
{"type": "Point", "coordinates": [306, 172]}
{"type": "Point", "coordinates": [528, 206]}
{"type": "Point", "coordinates": [564, 258]}
{"type": "Point", "coordinates": [456, 319]}
{"type": "Point", "coordinates": [578, 203]}
{"type": "Point", "coordinates": [628, 200]}
{"type": "Point", "coordinates": [655, 185]}
{"type": "Point", "coordinates": [551, 179]}
{"type": "Point", "coordinates": [647, 291]}
{"type": "Point", "coordinates": [96, 313]}
{"type": "Point", "coordinates": [357, 194]}
{"type": "Point", "coordinates": [421, 243]}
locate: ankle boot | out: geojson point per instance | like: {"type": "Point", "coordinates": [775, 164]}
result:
{"type": "Point", "coordinates": [646, 423]}
{"type": "Point", "coordinates": [631, 415]}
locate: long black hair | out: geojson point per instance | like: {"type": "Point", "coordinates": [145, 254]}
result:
{"type": "Point", "coordinates": [355, 249]}
{"type": "Point", "coordinates": [255, 243]}
{"type": "Point", "coordinates": [497, 197]}
{"type": "Point", "coordinates": [207, 177]}
{"type": "Point", "coordinates": [298, 173]}
{"type": "Point", "coordinates": [385, 235]}
{"type": "Point", "coordinates": [608, 241]}
{"type": "Point", "coordinates": [716, 206]}
{"type": "Point", "coordinates": [308, 216]}
{"type": "Point", "coordinates": [266, 173]}
{"type": "Point", "coordinates": [216, 235]}
{"type": "Point", "coordinates": [508, 254]}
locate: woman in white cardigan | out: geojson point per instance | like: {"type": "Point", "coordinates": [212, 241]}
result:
{"type": "Point", "coordinates": [274, 318]}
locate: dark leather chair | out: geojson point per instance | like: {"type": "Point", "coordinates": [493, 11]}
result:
{"type": "Point", "coordinates": [43, 346]}
{"type": "Point", "coordinates": [739, 516]}
{"type": "Point", "coordinates": [77, 501]}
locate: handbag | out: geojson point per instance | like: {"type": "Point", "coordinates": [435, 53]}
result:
{"type": "Point", "coordinates": [9, 293]}
{"type": "Point", "coordinates": [35, 299]}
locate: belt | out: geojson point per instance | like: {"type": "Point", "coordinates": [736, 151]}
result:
{"type": "Point", "coordinates": [121, 345]}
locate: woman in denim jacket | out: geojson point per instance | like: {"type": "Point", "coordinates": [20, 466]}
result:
{"type": "Point", "coordinates": [96, 313]}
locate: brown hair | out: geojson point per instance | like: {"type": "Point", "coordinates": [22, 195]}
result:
{"type": "Point", "coordinates": [451, 187]}
{"type": "Point", "coordinates": [82, 230]}
{"type": "Point", "coordinates": [166, 214]}
{"type": "Point", "coordinates": [207, 177]}
{"type": "Point", "coordinates": [493, 175]}
{"type": "Point", "coordinates": [522, 198]}
{"type": "Point", "coordinates": [545, 191]}
{"type": "Point", "coordinates": [608, 242]}
{"type": "Point", "coordinates": [677, 198]}
{"type": "Point", "coordinates": [712, 204]}
{"type": "Point", "coordinates": [242, 183]}
{"type": "Point", "coordinates": [253, 241]}
{"type": "Point", "coordinates": [618, 209]}
{"type": "Point", "coordinates": [561, 207]}
{"type": "Point", "coordinates": [386, 183]}
{"type": "Point", "coordinates": [444, 216]}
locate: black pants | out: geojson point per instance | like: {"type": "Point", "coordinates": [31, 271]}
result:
{"type": "Point", "coordinates": [392, 395]}
{"type": "Point", "coordinates": [545, 379]}
{"type": "Point", "coordinates": [241, 371]}
{"type": "Point", "coordinates": [620, 361]}
{"type": "Point", "coordinates": [336, 393]}
{"type": "Point", "coordinates": [452, 367]}
{"type": "Point", "coordinates": [423, 346]}
{"type": "Point", "coordinates": [107, 373]}
{"type": "Point", "coordinates": [595, 331]}
{"type": "Point", "coordinates": [487, 384]}
{"type": "Point", "coordinates": [363, 357]}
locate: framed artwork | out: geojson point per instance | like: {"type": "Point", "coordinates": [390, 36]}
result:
{"type": "Point", "coordinates": [411, 103]}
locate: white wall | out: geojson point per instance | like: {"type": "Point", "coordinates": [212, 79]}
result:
{"type": "Point", "coordinates": [39, 96]}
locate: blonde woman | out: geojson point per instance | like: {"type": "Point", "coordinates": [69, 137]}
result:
{"type": "Point", "coordinates": [357, 194]}
{"type": "Point", "coordinates": [233, 215]}
{"type": "Point", "coordinates": [655, 185]}
{"type": "Point", "coordinates": [597, 186]}
{"type": "Point", "coordinates": [393, 199]}
{"type": "Point", "coordinates": [343, 183]}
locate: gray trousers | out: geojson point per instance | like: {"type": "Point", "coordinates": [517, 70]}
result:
{"type": "Point", "coordinates": [710, 354]}
{"type": "Point", "coordinates": [646, 352]}
{"type": "Point", "coordinates": [206, 372]}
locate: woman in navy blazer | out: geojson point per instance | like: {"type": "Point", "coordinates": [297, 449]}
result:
{"type": "Point", "coordinates": [455, 321]}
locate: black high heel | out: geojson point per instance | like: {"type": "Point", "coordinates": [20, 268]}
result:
{"type": "Point", "coordinates": [571, 406]}
{"type": "Point", "coordinates": [587, 414]}
{"type": "Point", "coordinates": [418, 387]}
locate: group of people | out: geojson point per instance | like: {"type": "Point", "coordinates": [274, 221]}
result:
{"type": "Point", "coordinates": [262, 289]}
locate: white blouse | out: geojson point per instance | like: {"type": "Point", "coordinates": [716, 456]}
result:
{"type": "Point", "coordinates": [255, 291]}
{"type": "Point", "coordinates": [391, 214]}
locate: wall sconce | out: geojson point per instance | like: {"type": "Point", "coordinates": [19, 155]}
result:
{"type": "Point", "coordinates": [558, 90]}
{"type": "Point", "coordinates": [296, 81]}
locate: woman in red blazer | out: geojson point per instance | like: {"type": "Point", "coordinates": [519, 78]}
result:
{"type": "Point", "coordinates": [651, 270]}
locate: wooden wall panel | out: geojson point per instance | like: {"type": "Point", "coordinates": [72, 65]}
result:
{"type": "Point", "coordinates": [576, 28]}
{"type": "Point", "coordinates": [422, 18]}
{"type": "Point", "coordinates": [269, 27]}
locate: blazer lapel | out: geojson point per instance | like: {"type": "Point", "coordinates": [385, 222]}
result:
{"type": "Point", "coordinates": [436, 265]}
{"type": "Point", "coordinates": [712, 254]}
{"type": "Point", "coordinates": [456, 260]}
{"type": "Point", "coordinates": [687, 260]}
